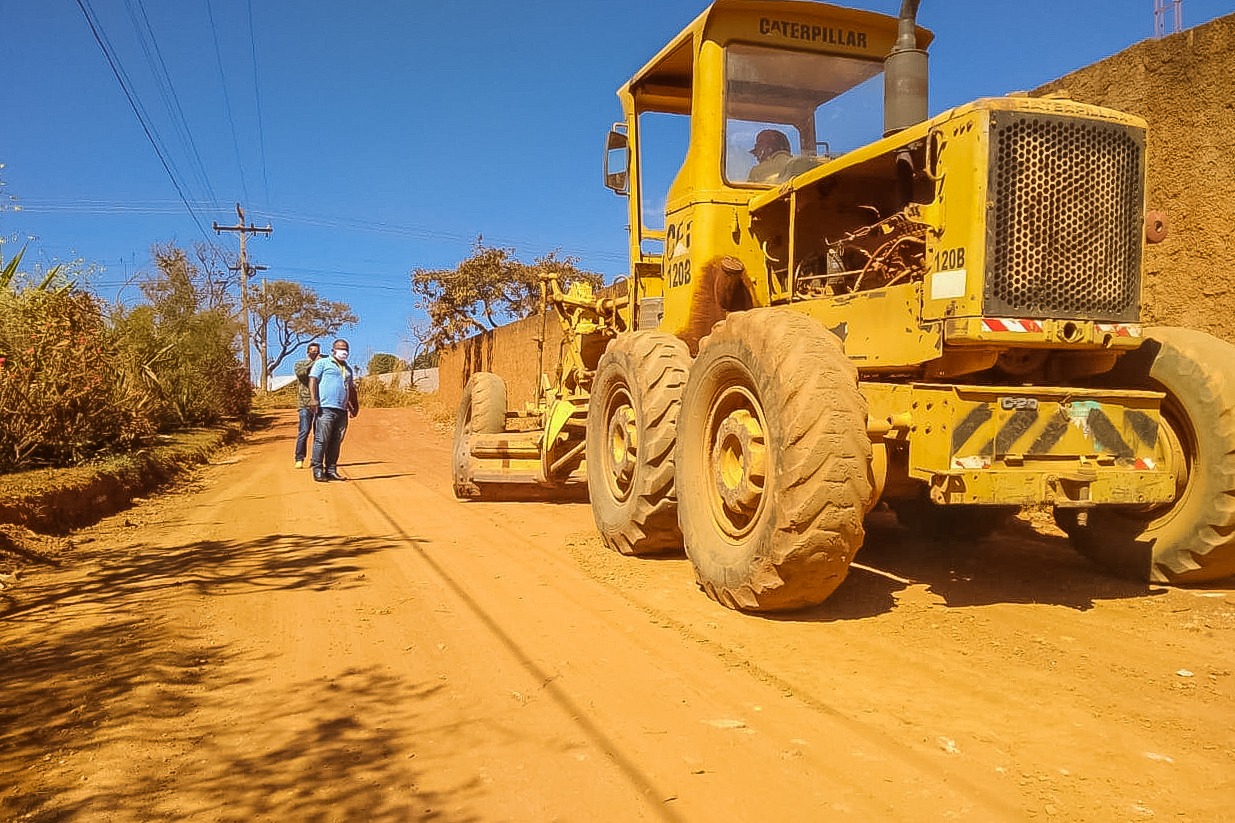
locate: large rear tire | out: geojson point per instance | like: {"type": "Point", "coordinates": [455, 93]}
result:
{"type": "Point", "coordinates": [631, 429]}
{"type": "Point", "coordinates": [773, 462]}
{"type": "Point", "coordinates": [482, 410]}
{"type": "Point", "coordinates": [1191, 540]}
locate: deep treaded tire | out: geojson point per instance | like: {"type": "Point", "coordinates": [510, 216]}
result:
{"type": "Point", "coordinates": [631, 428]}
{"type": "Point", "coordinates": [773, 462]}
{"type": "Point", "coordinates": [1191, 540]}
{"type": "Point", "coordinates": [482, 410]}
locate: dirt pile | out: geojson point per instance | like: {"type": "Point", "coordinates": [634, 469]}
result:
{"type": "Point", "coordinates": [1184, 86]}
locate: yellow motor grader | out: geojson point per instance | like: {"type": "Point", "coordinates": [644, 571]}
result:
{"type": "Point", "coordinates": [848, 301]}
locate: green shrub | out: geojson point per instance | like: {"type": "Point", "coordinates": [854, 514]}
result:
{"type": "Point", "coordinates": [186, 365]}
{"type": "Point", "coordinates": [382, 363]}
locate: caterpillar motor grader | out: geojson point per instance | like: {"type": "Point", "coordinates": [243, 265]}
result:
{"type": "Point", "coordinates": [942, 313]}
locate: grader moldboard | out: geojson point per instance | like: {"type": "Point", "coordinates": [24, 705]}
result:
{"type": "Point", "coordinates": [945, 319]}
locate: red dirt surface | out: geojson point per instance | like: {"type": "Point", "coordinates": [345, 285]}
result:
{"type": "Point", "coordinates": [260, 647]}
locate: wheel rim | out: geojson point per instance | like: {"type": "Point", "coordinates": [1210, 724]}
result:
{"type": "Point", "coordinates": [622, 455]}
{"type": "Point", "coordinates": [736, 449]}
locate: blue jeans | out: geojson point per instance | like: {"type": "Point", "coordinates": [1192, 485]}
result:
{"type": "Point", "coordinates": [327, 438]}
{"type": "Point", "coordinates": [307, 418]}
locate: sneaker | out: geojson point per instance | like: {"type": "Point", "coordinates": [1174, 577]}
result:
{"type": "Point", "coordinates": [300, 464]}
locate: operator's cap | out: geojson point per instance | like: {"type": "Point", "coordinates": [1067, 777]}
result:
{"type": "Point", "coordinates": [770, 139]}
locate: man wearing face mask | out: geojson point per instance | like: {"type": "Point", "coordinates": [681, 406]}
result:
{"type": "Point", "coordinates": [332, 396]}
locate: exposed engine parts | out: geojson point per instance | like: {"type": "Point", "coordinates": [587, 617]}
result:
{"type": "Point", "coordinates": [883, 253]}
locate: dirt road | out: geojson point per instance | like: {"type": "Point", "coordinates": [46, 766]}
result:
{"type": "Point", "coordinates": [261, 647]}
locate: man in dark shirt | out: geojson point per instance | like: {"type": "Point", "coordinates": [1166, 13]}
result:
{"type": "Point", "coordinates": [308, 416]}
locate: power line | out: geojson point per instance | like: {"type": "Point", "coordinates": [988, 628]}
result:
{"type": "Point", "coordinates": [413, 231]}
{"type": "Point", "coordinates": [257, 96]}
{"type": "Point", "coordinates": [227, 100]}
{"type": "Point", "coordinates": [95, 29]}
{"type": "Point", "coordinates": [158, 68]}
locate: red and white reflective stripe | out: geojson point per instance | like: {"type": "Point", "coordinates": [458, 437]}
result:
{"type": "Point", "coordinates": [1006, 324]}
{"type": "Point", "coordinates": [1145, 463]}
{"type": "Point", "coordinates": [1119, 329]}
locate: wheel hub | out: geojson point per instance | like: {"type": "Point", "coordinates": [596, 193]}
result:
{"type": "Point", "coordinates": [739, 465]}
{"type": "Point", "coordinates": [623, 447]}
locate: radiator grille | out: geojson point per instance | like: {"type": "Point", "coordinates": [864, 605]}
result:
{"type": "Point", "coordinates": [1065, 218]}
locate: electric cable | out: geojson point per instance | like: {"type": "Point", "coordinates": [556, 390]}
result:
{"type": "Point", "coordinates": [95, 29]}
{"type": "Point", "coordinates": [257, 95]}
{"type": "Point", "coordinates": [227, 100]}
{"type": "Point", "coordinates": [167, 89]}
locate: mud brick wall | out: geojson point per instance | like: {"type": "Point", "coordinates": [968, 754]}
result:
{"type": "Point", "coordinates": [1184, 87]}
{"type": "Point", "coordinates": [512, 352]}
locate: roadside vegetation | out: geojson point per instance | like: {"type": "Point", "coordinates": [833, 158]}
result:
{"type": "Point", "coordinates": [490, 288]}
{"type": "Point", "coordinates": [80, 379]}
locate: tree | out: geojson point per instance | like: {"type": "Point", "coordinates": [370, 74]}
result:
{"type": "Point", "coordinates": [488, 289]}
{"type": "Point", "coordinates": [288, 315]}
{"type": "Point", "coordinates": [218, 281]}
{"type": "Point", "coordinates": [185, 342]}
{"type": "Point", "coordinates": [181, 346]}
{"type": "Point", "coordinates": [383, 363]}
{"type": "Point", "coordinates": [423, 354]}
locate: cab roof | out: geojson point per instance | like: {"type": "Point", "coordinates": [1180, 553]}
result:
{"type": "Point", "coordinates": [665, 81]}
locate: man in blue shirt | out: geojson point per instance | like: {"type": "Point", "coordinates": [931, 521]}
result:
{"type": "Point", "coordinates": [332, 396]}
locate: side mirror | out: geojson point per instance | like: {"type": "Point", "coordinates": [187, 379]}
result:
{"type": "Point", "coordinates": [617, 160]}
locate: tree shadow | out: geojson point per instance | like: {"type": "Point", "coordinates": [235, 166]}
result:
{"type": "Point", "coordinates": [90, 667]}
{"type": "Point", "coordinates": [276, 561]}
{"type": "Point", "coordinates": [319, 750]}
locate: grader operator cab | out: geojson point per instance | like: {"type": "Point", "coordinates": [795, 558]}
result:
{"type": "Point", "coordinates": [938, 312]}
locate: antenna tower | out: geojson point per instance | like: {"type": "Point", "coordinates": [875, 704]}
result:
{"type": "Point", "coordinates": [1177, 15]}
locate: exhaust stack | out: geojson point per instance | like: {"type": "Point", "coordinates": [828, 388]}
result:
{"type": "Point", "coordinates": [905, 75]}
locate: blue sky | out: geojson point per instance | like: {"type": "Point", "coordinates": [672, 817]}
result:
{"type": "Point", "coordinates": [388, 136]}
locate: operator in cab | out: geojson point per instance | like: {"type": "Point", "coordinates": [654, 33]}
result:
{"type": "Point", "coordinates": [772, 155]}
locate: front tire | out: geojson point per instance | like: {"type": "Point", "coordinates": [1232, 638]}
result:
{"type": "Point", "coordinates": [631, 430]}
{"type": "Point", "coordinates": [773, 462]}
{"type": "Point", "coordinates": [1192, 539]}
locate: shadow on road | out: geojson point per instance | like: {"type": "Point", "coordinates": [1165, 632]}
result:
{"type": "Point", "coordinates": [1014, 565]}
{"type": "Point", "coordinates": [277, 561]}
{"type": "Point", "coordinates": [109, 710]}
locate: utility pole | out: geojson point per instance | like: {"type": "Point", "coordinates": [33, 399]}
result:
{"type": "Point", "coordinates": [244, 268]}
{"type": "Point", "coordinates": [265, 333]}
{"type": "Point", "coordinates": [244, 279]}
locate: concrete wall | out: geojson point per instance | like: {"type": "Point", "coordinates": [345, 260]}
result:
{"type": "Point", "coordinates": [422, 380]}
{"type": "Point", "coordinates": [1184, 87]}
